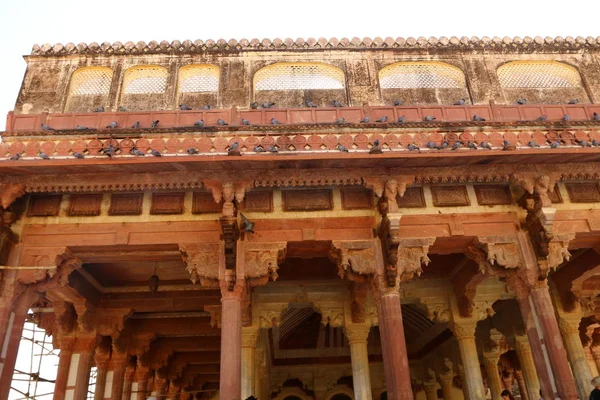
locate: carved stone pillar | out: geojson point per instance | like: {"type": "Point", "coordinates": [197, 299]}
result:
{"type": "Point", "coordinates": [525, 357]}
{"type": "Point", "coordinates": [565, 383]}
{"type": "Point", "coordinates": [357, 339]}
{"type": "Point", "coordinates": [465, 336]}
{"type": "Point", "coordinates": [230, 386]}
{"type": "Point", "coordinates": [64, 363]}
{"type": "Point", "coordinates": [13, 317]}
{"type": "Point", "coordinates": [463, 381]}
{"type": "Point", "coordinates": [569, 328]}
{"type": "Point", "coordinates": [140, 384]}
{"type": "Point", "coordinates": [129, 376]}
{"type": "Point", "coordinates": [431, 388]}
{"type": "Point", "coordinates": [102, 358]}
{"type": "Point", "coordinates": [596, 354]}
{"type": "Point", "coordinates": [522, 385]}
{"type": "Point", "coordinates": [84, 352]}
{"type": "Point", "coordinates": [119, 364]}
{"type": "Point", "coordinates": [490, 363]}
{"type": "Point", "coordinates": [590, 359]}
{"type": "Point", "coordinates": [249, 340]}
{"type": "Point", "coordinates": [447, 383]}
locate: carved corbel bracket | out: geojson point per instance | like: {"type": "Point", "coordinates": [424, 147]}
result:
{"type": "Point", "coordinates": [203, 261]}
{"type": "Point", "coordinates": [355, 259]}
{"type": "Point", "coordinates": [261, 261]}
{"type": "Point", "coordinates": [466, 280]}
{"type": "Point", "coordinates": [231, 234]}
{"type": "Point", "coordinates": [483, 310]}
{"type": "Point", "coordinates": [501, 250]}
{"type": "Point", "coordinates": [215, 315]}
{"type": "Point", "coordinates": [9, 192]}
{"type": "Point", "coordinates": [55, 263]}
{"type": "Point", "coordinates": [557, 253]}
{"type": "Point", "coordinates": [387, 189]}
{"type": "Point", "coordinates": [228, 191]}
{"type": "Point", "coordinates": [537, 185]}
{"type": "Point", "coordinates": [412, 254]}
{"type": "Point", "coordinates": [332, 313]}
{"type": "Point", "coordinates": [271, 316]}
{"type": "Point", "coordinates": [436, 309]}
{"type": "Point", "coordinates": [86, 314]}
{"type": "Point", "coordinates": [112, 322]}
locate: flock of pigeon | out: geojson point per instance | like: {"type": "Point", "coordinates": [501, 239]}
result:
{"type": "Point", "coordinates": [233, 149]}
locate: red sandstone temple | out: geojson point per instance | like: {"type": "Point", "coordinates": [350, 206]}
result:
{"type": "Point", "coordinates": [305, 220]}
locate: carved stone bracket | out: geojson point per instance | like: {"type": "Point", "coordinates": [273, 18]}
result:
{"type": "Point", "coordinates": [203, 261]}
{"type": "Point", "coordinates": [557, 253]}
{"type": "Point", "coordinates": [261, 261]}
{"type": "Point", "coordinates": [436, 309]}
{"type": "Point", "coordinates": [501, 250]}
{"type": "Point", "coordinates": [231, 235]}
{"type": "Point", "coordinates": [412, 254]}
{"type": "Point", "coordinates": [9, 192]}
{"type": "Point", "coordinates": [387, 189]}
{"type": "Point", "coordinates": [55, 263]}
{"type": "Point", "coordinates": [466, 280]}
{"type": "Point", "coordinates": [227, 192]}
{"type": "Point", "coordinates": [332, 313]}
{"type": "Point", "coordinates": [215, 315]}
{"type": "Point", "coordinates": [355, 259]}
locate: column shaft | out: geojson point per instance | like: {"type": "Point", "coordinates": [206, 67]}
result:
{"type": "Point", "coordinates": [357, 338]}
{"type": "Point", "coordinates": [100, 382]}
{"type": "Point", "coordinates": [395, 358]}
{"type": "Point", "coordinates": [446, 383]}
{"type": "Point", "coordinates": [230, 385]}
{"type": "Point", "coordinates": [430, 390]}
{"type": "Point", "coordinates": [490, 362]}
{"type": "Point", "coordinates": [82, 380]}
{"type": "Point", "coordinates": [576, 356]}
{"type": "Point", "coordinates": [142, 389]}
{"type": "Point", "coordinates": [591, 362]}
{"type": "Point", "coordinates": [539, 359]}
{"type": "Point", "coordinates": [10, 348]}
{"type": "Point", "coordinates": [465, 335]}
{"type": "Point", "coordinates": [118, 382]}
{"type": "Point", "coordinates": [522, 386]}
{"type": "Point", "coordinates": [248, 353]}
{"type": "Point", "coordinates": [565, 383]}
{"type": "Point", "coordinates": [62, 373]}
{"type": "Point", "coordinates": [525, 357]}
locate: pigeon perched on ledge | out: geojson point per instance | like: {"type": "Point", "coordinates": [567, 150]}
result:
{"type": "Point", "coordinates": [113, 125]}
{"type": "Point", "coordinates": [134, 151]}
{"type": "Point", "coordinates": [122, 109]}
{"type": "Point", "coordinates": [233, 149]}
{"type": "Point", "coordinates": [398, 103]}
{"type": "Point", "coordinates": [156, 153]}
{"type": "Point", "coordinates": [199, 123]}
{"type": "Point", "coordinates": [78, 155]}
{"type": "Point", "coordinates": [508, 146]}
{"type": "Point", "coordinates": [541, 118]}
{"type": "Point", "coordinates": [15, 157]}
{"type": "Point", "coordinates": [267, 105]}
{"type": "Point", "coordinates": [336, 103]}
{"type": "Point", "coordinates": [460, 102]}
{"type": "Point", "coordinates": [401, 119]}
{"type": "Point", "coordinates": [136, 125]}
{"type": "Point", "coordinates": [183, 107]}
{"type": "Point", "coordinates": [478, 118]}
{"type": "Point", "coordinates": [44, 156]}
{"type": "Point", "coordinates": [248, 225]}
{"type": "Point", "coordinates": [412, 147]}
{"type": "Point", "coordinates": [376, 149]}
{"type": "Point", "coordinates": [245, 121]}
{"type": "Point", "coordinates": [310, 104]}
{"type": "Point", "coordinates": [486, 145]}
{"type": "Point", "coordinates": [155, 124]}
{"type": "Point", "coordinates": [340, 121]}
{"type": "Point", "coordinates": [221, 122]}
{"type": "Point", "coordinates": [192, 150]}
{"type": "Point", "coordinates": [573, 101]}
{"type": "Point", "coordinates": [382, 119]}
{"type": "Point", "coordinates": [342, 148]}
{"type": "Point", "coordinates": [429, 118]}
{"type": "Point", "coordinates": [365, 120]}
{"type": "Point", "coordinates": [275, 122]}
{"type": "Point", "coordinates": [521, 101]}
{"type": "Point", "coordinates": [46, 127]}
{"type": "Point", "coordinates": [98, 109]}
{"type": "Point", "coordinates": [254, 105]}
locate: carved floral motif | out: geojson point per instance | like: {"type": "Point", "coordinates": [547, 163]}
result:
{"type": "Point", "coordinates": [203, 261]}
{"type": "Point", "coordinates": [262, 261]}
{"type": "Point", "coordinates": [412, 254]}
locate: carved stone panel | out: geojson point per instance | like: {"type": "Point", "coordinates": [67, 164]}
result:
{"type": "Point", "coordinates": [413, 198]}
{"type": "Point", "coordinates": [583, 192]}
{"type": "Point", "coordinates": [258, 201]}
{"type": "Point", "coordinates": [450, 196]}
{"type": "Point", "coordinates": [491, 195]}
{"type": "Point", "coordinates": [126, 204]}
{"type": "Point", "coordinates": [307, 200]}
{"type": "Point", "coordinates": [47, 205]}
{"type": "Point", "coordinates": [356, 199]}
{"type": "Point", "coordinates": [85, 205]}
{"type": "Point", "coordinates": [555, 196]}
{"type": "Point", "coordinates": [204, 203]}
{"type": "Point", "coordinates": [167, 203]}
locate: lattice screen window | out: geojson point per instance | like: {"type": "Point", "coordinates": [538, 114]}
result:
{"type": "Point", "coordinates": [538, 74]}
{"type": "Point", "coordinates": [92, 81]}
{"type": "Point", "coordinates": [145, 80]}
{"type": "Point", "coordinates": [301, 76]}
{"type": "Point", "coordinates": [417, 75]}
{"type": "Point", "coordinates": [199, 79]}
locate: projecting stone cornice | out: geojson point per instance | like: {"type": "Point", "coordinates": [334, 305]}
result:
{"type": "Point", "coordinates": [495, 44]}
{"type": "Point", "coordinates": [277, 178]}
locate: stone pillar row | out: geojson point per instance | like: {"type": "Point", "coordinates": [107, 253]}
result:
{"type": "Point", "coordinates": [465, 336]}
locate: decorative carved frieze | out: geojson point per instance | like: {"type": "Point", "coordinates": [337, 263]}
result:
{"type": "Point", "coordinates": [450, 196]}
{"type": "Point", "coordinates": [204, 203]}
{"type": "Point", "coordinates": [258, 201]}
{"type": "Point", "coordinates": [354, 198]}
{"type": "Point", "coordinates": [355, 259]}
{"type": "Point", "coordinates": [84, 205]}
{"type": "Point", "coordinates": [261, 261]}
{"type": "Point", "coordinates": [126, 204]}
{"type": "Point", "coordinates": [167, 203]}
{"type": "Point", "coordinates": [44, 205]}
{"type": "Point", "coordinates": [492, 195]}
{"type": "Point", "coordinates": [203, 262]}
{"type": "Point", "coordinates": [413, 198]}
{"type": "Point", "coordinates": [307, 200]}
{"type": "Point", "coordinates": [587, 192]}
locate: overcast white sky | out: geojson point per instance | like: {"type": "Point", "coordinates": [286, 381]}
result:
{"type": "Point", "coordinates": [26, 22]}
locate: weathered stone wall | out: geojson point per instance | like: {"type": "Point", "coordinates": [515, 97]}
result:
{"type": "Point", "coordinates": [46, 82]}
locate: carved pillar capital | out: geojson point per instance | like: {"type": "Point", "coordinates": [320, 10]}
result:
{"type": "Point", "coordinates": [357, 333]}
{"type": "Point", "coordinates": [447, 373]}
{"type": "Point", "coordinates": [463, 330]}
{"type": "Point", "coordinates": [569, 325]}
{"type": "Point", "coordinates": [261, 261]}
{"type": "Point", "coordinates": [203, 261]}
{"type": "Point", "coordinates": [236, 292]}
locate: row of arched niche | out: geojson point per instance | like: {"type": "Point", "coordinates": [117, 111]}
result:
{"type": "Point", "coordinates": [143, 85]}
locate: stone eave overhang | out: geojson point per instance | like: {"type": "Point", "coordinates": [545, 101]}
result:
{"type": "Point", "coordinates": [432, 44]}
